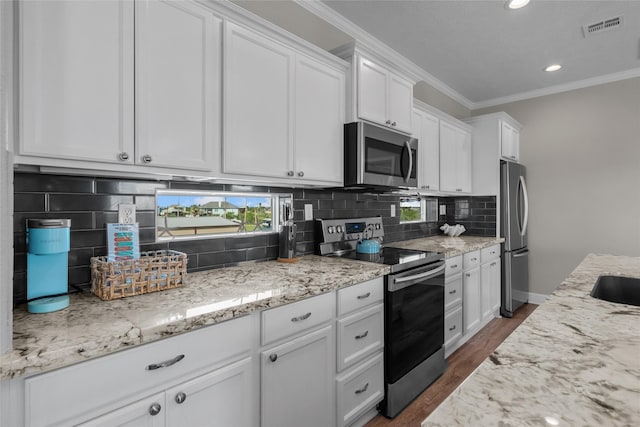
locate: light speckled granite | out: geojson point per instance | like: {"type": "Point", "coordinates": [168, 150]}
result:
{"type": "Point", "coordinates": [573, 362]}
{"type": "Point", "coordinates": [449, 246]}
{"type": "Point", "coordinates": [91, 327]}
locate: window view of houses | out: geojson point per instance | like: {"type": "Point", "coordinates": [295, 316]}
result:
{"type": "Point", "coordinates": [180, 215]}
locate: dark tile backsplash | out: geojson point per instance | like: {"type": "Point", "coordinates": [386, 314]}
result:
{"type": "Point", "coordinates": [91, 203]}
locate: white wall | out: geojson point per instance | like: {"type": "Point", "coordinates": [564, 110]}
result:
{"type": "Point", "coordinates": [582, 152]}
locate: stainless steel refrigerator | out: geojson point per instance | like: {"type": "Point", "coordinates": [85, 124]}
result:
{"type": "Point", "coordinates": [514, 216]}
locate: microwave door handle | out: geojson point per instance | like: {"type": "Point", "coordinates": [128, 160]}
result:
{"type": "Point", "coordinates": [408, 146]}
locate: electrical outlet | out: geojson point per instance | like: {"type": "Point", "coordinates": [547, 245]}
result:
{"type": "Point", "coordinates": [127, 213]}
{"type": "Point", "coordinates": [308, 212]}
{"type": "Point", "coordinates": [393, 210]}
{"type": "Point", "coordinates": [443, 209]}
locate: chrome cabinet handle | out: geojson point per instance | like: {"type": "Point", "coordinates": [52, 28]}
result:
{"type": "Point", "coordinates": [454, 266]}
{"type": "Point", "coordinates": [363, 389]}
{"type": "Point", "coordinates": [388, 122]}
{"type": "Point", "coordinates": [393, 124]}
{"type": "Point", "coordinates": [468, 275]}
{"type": "Point", "coordinates": [474, 259]}
{"type": "Point", "coordinates": [273, 357]}
{"type": "Point", "coordinates": [427, 187]}
{"type": "Point", "coordinates": [154, 409]}
{"type": "Point", "coordinates": [299, 318]}
{"type": "Point", "coordinates": [493, 263]}
{"type": "Point", "coordinates": [300, 174]}
{"type": "Point", "coordinates": [146, 158]}
{"type": "Point", "coordinates": [124, 156]}
{"type": "Point", "coordinates": [363, 296]}
{"type": "Point", "coordinates": [364, 335]}
{"type": "Point", "coordinates": [452, 328]}
{"type": "Point", "coordinates": [452, 292]}
{"type": "Point", "coordinates": [290, 173]}
{"type": "Point", "coordinates": [181, 397]}
{"type": "Point", "coordinates": [165, 364]}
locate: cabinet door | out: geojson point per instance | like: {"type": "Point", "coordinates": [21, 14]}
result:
{"type": "Point", "coordinates": [76, 80]}
{"type": "Point", "coordinates": [449, 145]}
{"type": "Point", "coordinates": [149, 412]}
{"type": "Point", "coordinates": [464, 161]}
{"type": "Point", "coordinates": [221, 398]}
{"type": "Point", "coordinates": [496, 286]}
{"type": "Point", "coordinates": [178, 48]}
{"type": "Point", "coordinates": [297, 382]}
{"type": "Point", "coordinates": [319, 119]}
{"type": "Point", "coordinates": [486, 289]}
{"type": "Point", "coordinates": [509, 142]}
{"type": "Point", "coordinates": [372, 92]}
{"type": "Point", "coordinates": [400, 103]}
{"type": "Point", "coordinates": [429, 153]}
{"type": "Point", "coordinates": [471, 302]}
{"type": "Point", "coordinates": [257, 102]}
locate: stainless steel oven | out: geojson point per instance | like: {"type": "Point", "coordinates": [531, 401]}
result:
{"type": "Point", "coordinates": [379, 157]}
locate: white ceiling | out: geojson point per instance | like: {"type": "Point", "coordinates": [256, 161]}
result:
{"type": "Point", "coordinates": [489, 55]}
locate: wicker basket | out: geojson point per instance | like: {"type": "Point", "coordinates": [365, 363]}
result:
{"type": "Point", "coordinates": [154, 271]}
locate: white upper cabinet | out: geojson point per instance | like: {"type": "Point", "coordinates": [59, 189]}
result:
{"type": "Point", "coordinates": [283, 112]}
{"type": "Point", "coordinates": [257, 105]}
{"type": "Point", "coordinates": [384, 97]}
{"type": "Point", "coordinates": [319, 119]}
{"type": "Point", "coordinates": [455, 158]}
{"type": "Point", "coordinates": [79, 86]}
{"type": "Point", "coordinates": [509, 142]}
{"type": "Point", "coordinates": [427, 129]}
{"type": "Point", "coordinates": [177, 84]}
{"type": "Point", "coordinates": [76, 80]}
{"type": "Point", "coordinates": [496, 136]}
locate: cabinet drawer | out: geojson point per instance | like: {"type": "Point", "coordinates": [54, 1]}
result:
{"type": "Point", "coordinates": [360, 389]}
{"type": "Point", "coordinates": [359, 335]}
{"type": "Point", "coordinates": [492, 252]}
{"type": "Point", "coordinates": [452, 326]}
{"type": "Point", "coordinates": [452, 293]}
{"type": "Point", "coordinates": [296, 317]}
{"type": "Point", "coordinates": [126, 374]}
{"type": "Point", "coordinates": [454, 266]}
{"type": "Point", "coordinates": [360, 295]}
{"type": "Point", "coordinates": [471, 260]}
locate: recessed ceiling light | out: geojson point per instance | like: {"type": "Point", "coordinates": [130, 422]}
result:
{"type": "Point", "coordinates": [553, 67]}
{"type": "Point", "coordinates": [516, 4]}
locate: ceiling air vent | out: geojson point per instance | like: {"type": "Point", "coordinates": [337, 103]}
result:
{"type": "Point", "coordinates": [604, 25]}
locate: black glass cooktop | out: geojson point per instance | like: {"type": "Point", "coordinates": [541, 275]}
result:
{"type": "Point", "coordinates": [399, 259]}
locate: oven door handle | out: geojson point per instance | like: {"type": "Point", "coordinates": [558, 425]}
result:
{"type": "Point", "coordinates": [403, 282]}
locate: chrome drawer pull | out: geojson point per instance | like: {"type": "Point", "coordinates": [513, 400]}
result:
{"type": "Point", "coordinates": [474, 259]}
{"type": "Point", "coordinates": [452, 328]}
{"type": "Point", "coordinates": [165, 364]}
{"type": "Point", "coordinates": [493, 263]}
{"type": "Point", "coordinates": [363, 389]}
{"type": "Point", "coordinates": [454, 266]}
{"type": "Point", "coordinates": [452, 292]}
{"type": "Point", "coordinates": [180, 398]}
{"type": "Point", "coordinates": [364, 335]}
{"type": "Point", "coordinates": [367, 295]}
{"type": "Point", "coordinates": [273, 357]}
{"type": "Point", "coordinates": [299, 318]}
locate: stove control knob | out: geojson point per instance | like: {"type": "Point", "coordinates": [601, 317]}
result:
{"type": "Point", "coordinates": [338, 229]}
{"type": "Point", "coordinates": [330, 229]}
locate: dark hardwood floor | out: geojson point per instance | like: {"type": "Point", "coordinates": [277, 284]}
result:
{"type": "Point", "coordinates": [461, 364]}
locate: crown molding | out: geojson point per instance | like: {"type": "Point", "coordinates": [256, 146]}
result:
{"type": "Point", "coordinates": [580, 84]}
{"type": "Point", "coordinates": [369, 42]}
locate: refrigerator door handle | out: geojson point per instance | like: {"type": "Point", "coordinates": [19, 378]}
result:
{"type": "Point", "coordinates": [525, 221]}
{"type": "Point", "coordinates": [521, 253]}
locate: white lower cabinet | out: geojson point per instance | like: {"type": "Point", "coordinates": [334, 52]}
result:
{"type": "Point", "coordinates": [453, 291]}
{"type": "Point", "coordinates": [360, 389]}
{"type": "Point", "coordinates": [219, 398]}
{"type": "Point", "coordinates": [490, 278]}
{"type": "Point", "coordinates": [296, 381]}
{"type": "Point", "coordinates": [471, 300]}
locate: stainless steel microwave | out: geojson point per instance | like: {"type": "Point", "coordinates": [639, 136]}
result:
{"type": "Point", "coordinates": [378, 157]}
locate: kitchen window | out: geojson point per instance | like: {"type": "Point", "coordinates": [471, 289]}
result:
{"type": "Point", "coordinates": [183, 215]}
{"type": "Point", "coordinates": [418, 209]}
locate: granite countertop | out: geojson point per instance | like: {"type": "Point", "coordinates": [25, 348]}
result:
{"type": "Point", "coordinates": [573, 362]}
{"type": "Point", "coordinates": [450, 246]}
{"type": "Point", "coordinates": [90, 327]}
